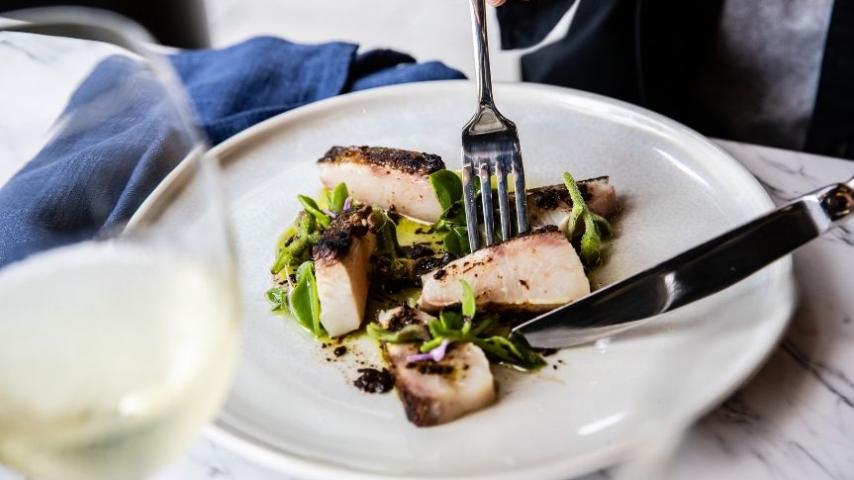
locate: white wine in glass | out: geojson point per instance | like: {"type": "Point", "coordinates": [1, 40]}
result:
{"type": "Point", "coordinates": [114, 353]}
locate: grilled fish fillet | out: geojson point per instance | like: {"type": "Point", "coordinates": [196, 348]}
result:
{"type": "Point", "coordinates": [385, 177]}
{"type": "Point", "coordinates": [551, 205]}
{"type": "Point", "coordinates": [534, 272]}
{"type": "Point", "coordinates": [438, 392]}
{"type": "Point", "coordinates": [341, 264]}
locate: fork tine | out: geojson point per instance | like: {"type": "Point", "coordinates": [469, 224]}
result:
{"type": "Point", "coordinates": [520, 194]}
{"type": "Point", "coordinates": [484, 171]}
{"type": "Point", "coordinates": [500, 168]}
{"type": "Point", "coordinates": [469, 202]}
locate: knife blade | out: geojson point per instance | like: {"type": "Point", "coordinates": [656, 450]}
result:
{"type": "Point", "coordinates": [697, 273]}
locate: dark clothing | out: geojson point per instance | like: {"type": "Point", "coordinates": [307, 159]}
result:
{"type": "Point", "coordinates": [729, 69]}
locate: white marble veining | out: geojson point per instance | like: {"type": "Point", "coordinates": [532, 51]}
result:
{"type": "Point", "coordinates": [793, 420]}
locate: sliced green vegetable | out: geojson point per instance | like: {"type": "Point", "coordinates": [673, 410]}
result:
{"type": "Point", "coordinates": [595, 227]}
{"type": "Point", "coordinates": [337, 197]}
{"type": "Point", "coordinates": [296, 247]}
{"type": "Point", "coordinates": [311, 207]}
{"type": "Point", "coordinates": [448, 187]}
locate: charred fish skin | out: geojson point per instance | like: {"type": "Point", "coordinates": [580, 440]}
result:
{"type": "Point", "coordinates": [407, 161]}
{"type": "Point", "coordinates": [433, 393]}
{"type": "Point", "coordinates": [342, 267]}
{"type": "Point", "coordinates": [390, 178]}
{"type": "Point", "coordinates": [533, 272]}
{"type": "Point", "coordinates": [551, 204]}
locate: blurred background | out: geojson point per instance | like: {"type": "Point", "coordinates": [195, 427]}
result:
{"type": "Point", "coordinates": [428, 30]}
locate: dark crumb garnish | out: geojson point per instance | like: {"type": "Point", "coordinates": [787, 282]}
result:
{"type": "Point", "coordinates": [440, 274]}
{"type": "Point", "coordinates": [393, 215]}
{"type": "Point", "coordinates": [546, 352]}
{"type": "Point", "coordinates": [554, 366]}
{"type": "Point", "coordinates": [340, 350]}
{"type": "Point", "coordinates": [336, 240]}
{"type": "Point", "coordinates": [431, 368]}
{"type": "Point", "coordinates": [389, 277]}
{"type": "Point", "coordinates": [428, 264]}
{"type": "Point", "coordinates": [417, 250]}
{"type": "Point", "coordinates": [406, 316]}
{"type": "Point", "coordinates": [371, 380]}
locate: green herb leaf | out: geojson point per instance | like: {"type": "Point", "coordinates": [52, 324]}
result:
{"type": "Point", "coordinates": [338, 197]}
{"type": "Point", "coordinates": [447, 186]}
{"type": "Point", "coordinates": [278, 297]}
{"type": "Point", "coordinates": [513, 352]}
{"type": "Point", "coordinates": [314, 297]}
{"type": "Point", "coordinates": [483, 325]}
{"type": "Point", "coordinates": [469, 304]}
{"type": "Point", "coordinates": [409, 333]}
{"type": "Point", "coordinates": [304, 301]}
{"type": "Point", "coordinates": [451, 320]}
{"type": "Point", "coordinates": [388, 246]}
{"type": "Point", "coordinates": [311, 207]}
{"type": "Point", "coordinates": [300, 304]}
{"type": "Point", "coordinates": [457, 241]}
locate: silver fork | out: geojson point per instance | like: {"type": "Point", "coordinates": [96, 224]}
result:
{"type": "Point", "coordinates": [490, 146]}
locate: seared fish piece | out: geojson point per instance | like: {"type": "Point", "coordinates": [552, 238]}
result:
{"type": "Point", "coordinates": [533, 272]}
{"type": "Point", "coordinates": [437, 392]}
{"type": "Point", "coordinates": [550, 205]}
{"type": "Point", "coordinates": [341, 264]}
{"type": "Point", "coordinates": [385, 177]}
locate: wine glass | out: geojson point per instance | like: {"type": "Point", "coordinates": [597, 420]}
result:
{"type": "Point", "coordinates": [118, 323]}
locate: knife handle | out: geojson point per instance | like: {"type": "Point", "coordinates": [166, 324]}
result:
{"type": "Point", "coordinates": [838, 201]}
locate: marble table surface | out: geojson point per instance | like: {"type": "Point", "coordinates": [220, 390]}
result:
{"type": "Point", "coordinates": [793, 420]}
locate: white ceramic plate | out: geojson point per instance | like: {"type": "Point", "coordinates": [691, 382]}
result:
{"type": "Point", "coordinates": [295, 411]}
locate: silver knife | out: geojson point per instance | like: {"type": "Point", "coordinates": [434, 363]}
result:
{"type": "Point", "coordinates": [694, 274]}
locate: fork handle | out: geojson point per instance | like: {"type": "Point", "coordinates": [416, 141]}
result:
{"type": "Point", "coordinates": [481, 54]}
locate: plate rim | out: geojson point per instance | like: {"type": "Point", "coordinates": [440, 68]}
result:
{"type": "Point", "coordinates": [293, 464]}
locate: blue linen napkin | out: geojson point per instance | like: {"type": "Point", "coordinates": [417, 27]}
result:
{"type": "Point", "coordinates": [91, 178]}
